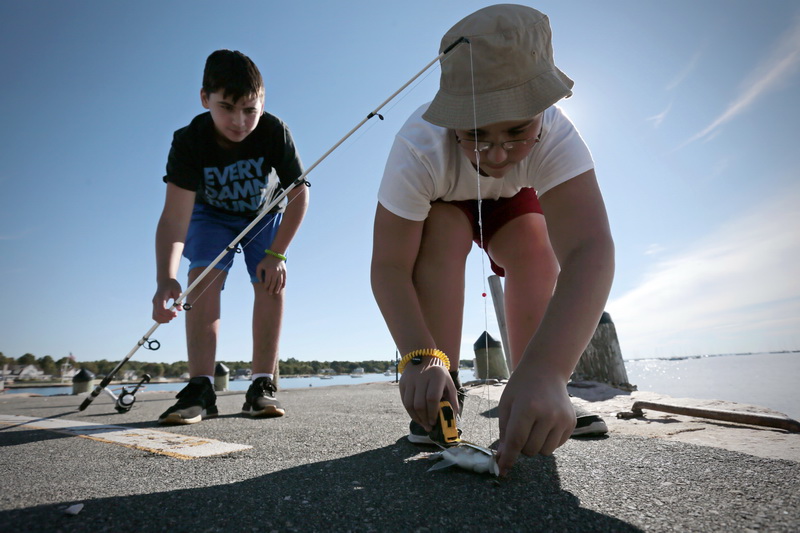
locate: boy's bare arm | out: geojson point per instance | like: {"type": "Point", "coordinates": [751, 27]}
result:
{"type": "Point", "coordinates": [292, 218]}
{"type": "Point", "coordinates": [581, 238]}
{"type": "Point", "coordinates": [536, 415]}
{"type": "Point", "coordinates": [271, 270]}
{"type": "Point", "coordinates": [395, 247]}
{"type": "Point", "coordinates": [170, 237]}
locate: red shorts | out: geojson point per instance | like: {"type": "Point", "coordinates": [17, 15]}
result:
{"type": "Point", "coordinates": [497, 213]}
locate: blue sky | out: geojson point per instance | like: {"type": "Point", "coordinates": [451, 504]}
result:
{"type": "Point", "coordinates": [689, 107]}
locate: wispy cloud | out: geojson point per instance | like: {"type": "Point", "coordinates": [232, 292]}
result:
{"type": "Point", "coordinates": [654, 249]}
{"type": "Point", "coordinates": [658, 119]}
{"type": "Point", "coordinates": [676, 81]}
{"type": "Point", "coordinates": [770, 74]}
{"type": "Point", "coordinates": [721, 167]}
{"type": "Point", "coordinates": [735, 290]}
{"type": "Point", "coordinates": [684, 73]}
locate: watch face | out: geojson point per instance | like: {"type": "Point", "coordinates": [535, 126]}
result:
{"type": "Point", "coordinates": [416, 360]}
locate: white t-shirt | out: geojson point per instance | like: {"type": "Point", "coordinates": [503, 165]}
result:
{"type": "Point", "coordinates": [426, 164]}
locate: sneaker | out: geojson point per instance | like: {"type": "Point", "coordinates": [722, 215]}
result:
{"type": "Point", "coordinates": [260, 399]}
{"type": "Point", "coordinates": [196, 401]}
{"type": "Point", "coordinates": [417, 433]}
{"type": "Point", "coordinates": [589, 425]}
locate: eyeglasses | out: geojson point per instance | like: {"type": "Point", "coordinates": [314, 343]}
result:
{"type": "Point", "coordinates": [485, 146]}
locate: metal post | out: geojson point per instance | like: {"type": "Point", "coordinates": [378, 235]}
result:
{"type": "Point", "coordinates": [498, 298]}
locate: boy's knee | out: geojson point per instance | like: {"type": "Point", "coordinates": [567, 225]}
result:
{"type": "Point", "coordinates": [539, 261]}
{"type": "Point", "coordinates": [265, 297]}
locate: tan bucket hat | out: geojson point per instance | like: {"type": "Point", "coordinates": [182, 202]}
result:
{"type": "Point", "coordinates": [514, 74]}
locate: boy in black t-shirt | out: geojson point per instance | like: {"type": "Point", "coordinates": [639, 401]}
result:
{"type": "Point", "coordinates": [223, 169]}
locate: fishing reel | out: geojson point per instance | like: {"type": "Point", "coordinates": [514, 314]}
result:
{"type": "Point", "coordinates": [124, 402]}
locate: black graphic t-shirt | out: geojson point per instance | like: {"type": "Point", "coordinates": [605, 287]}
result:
{"type": "Point", "coordinates": [242, 180]}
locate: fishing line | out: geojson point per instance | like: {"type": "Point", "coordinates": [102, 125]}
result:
{"type": "Point", "coordinates": [300, 181]}
{"type": "Point", "coordinates": [411, 90]}
{"type": "Point", "coordinates": [484, 397]}
{"type": "Point", "coordinates": [238, 249]}
{"type": "Point", "coordinates": [353, 142]}
{"type": "Point", "coordinates": [349, 146]}
{"type": "Point", "coordinates": [389, 109]}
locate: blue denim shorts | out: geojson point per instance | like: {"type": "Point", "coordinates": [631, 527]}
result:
{"type": "Point", "coordinates": [211, 231]}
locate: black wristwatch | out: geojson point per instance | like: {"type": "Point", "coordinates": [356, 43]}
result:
{"type": "Point", "coordinates": [417, 359]}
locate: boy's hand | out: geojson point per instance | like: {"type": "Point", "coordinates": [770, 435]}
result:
{"type": "Point", "coordinates": [422, 387]}
{"type": "Point", "coordinates": [166, 291]}
{"type": "Point", "coordinates": [272, 273]}
{"type": "Point", "coordinates": [536, 416]}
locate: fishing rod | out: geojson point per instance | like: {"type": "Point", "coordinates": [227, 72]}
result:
{"type": "Point", "coordinates": [154, 344]}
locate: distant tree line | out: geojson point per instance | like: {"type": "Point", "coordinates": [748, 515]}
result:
{"type": "Point", "coordinates": [288, 367]}
{"type": "Point", "coordinates": [46, 364]}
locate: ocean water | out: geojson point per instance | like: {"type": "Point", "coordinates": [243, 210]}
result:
{"type": "Point", "coordinates": [766, 379]}
{"type": "Point", "coordinates": [285, 382]}
{"type": "Point", "coordinates": [234, 385]}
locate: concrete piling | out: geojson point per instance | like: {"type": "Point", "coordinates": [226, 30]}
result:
{"type": "Point", "coordinates": [602, 359]}
{"type": "Point", "coordinates": [222, 376]}
{"type": "Point", "coordinates": [490, 363]}
{"type": "Point", "coordinates": [82, 382]}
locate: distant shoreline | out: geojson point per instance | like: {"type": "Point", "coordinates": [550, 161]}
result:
{"type": "Point", "coordinates": [703, 356]}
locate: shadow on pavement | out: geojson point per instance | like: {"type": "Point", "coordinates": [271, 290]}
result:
{"type": "Point", "coordinates": [378, 490]}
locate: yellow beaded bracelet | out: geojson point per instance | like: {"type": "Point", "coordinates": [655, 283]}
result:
{"type": "Point", "coordinates": [425, 352]}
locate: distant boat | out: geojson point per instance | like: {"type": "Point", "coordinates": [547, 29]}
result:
{"type": "Point", "coordinates": [357, 373]}
{"type": "Point", "coordinates": [326, 373]}
{"type": "Point", "coordinates": [326, 376]}
{"type": "Point", "coordinates": [388, 373]}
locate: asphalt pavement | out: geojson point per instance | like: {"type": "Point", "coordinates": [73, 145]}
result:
{"type": "Point", "coordinates": [339, 461]}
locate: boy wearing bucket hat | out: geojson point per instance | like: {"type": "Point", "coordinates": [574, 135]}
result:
{"type": "Point", "coordinates": [492, 160]}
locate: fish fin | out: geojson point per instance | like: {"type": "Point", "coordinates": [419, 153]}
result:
{"type": "Point", "coordinates": [441, 465]}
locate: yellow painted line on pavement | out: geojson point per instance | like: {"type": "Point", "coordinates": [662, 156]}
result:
{"type": "Point", "coordinates": [161, 442]}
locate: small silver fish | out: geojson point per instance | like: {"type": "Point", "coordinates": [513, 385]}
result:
{"type": "Point", "coordinates": [467, 456]}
